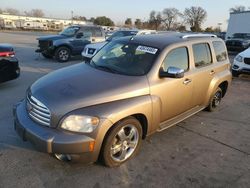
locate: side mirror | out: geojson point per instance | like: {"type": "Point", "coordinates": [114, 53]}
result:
{"type": "Point", "coordinates": [79, 35]}
{"type": "Point", "coordinates": [172, 72]}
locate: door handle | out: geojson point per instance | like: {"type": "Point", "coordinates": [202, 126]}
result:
{"type": "Point", "coordinates": [212, 72]}
{"type": "Point", "coordinates": [187, 81]}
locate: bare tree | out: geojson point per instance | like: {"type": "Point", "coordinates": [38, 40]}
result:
{"type": "Point", "coordinates": [37, 13]}
{"type": "Point", "coordinates": [170, 17]}
{"type": "Point", "coordinates": [155, 19]}
{"type": "Point", "coordinates": [1, 11]}
{"type": "Point", "coordinates": [237, 9]}
{"type": "Point", "coordinates": [12, 11]}
{"type": "Point", "coordinates": [195, 16]}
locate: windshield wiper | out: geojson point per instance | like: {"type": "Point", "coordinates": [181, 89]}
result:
{"type": "Point", "coordinates": [109, 69]}
{"type": "Point", "coordinates": [102, 67]}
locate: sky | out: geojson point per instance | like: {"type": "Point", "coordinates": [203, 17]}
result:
{"type": "Point", "coordinates": [119, 10]}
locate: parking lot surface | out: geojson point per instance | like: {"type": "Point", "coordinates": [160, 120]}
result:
{"type": "Point", "coordinates": [206, 150]}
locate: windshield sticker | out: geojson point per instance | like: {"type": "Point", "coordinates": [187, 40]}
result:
{"type": "Point", "coordinates": [147, 49]}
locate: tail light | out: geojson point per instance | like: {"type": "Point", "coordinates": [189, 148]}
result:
{"type": "Point", "coordinates": [7, 54]}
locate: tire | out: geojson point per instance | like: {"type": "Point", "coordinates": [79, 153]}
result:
{"type": "Point", "coordinates": [119, 141]}
{"type": "Point", "coordinates": [215, 100]}
{"type": "Point", "coordinates": [235, 73]}
{"type": "Point", "coordinates": [62, 54]}
{"type": "Point", "coordinates": [47, 56]}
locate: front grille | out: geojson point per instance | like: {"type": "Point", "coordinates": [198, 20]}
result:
{"type": "Point", "coordinates": [44, 44]}
{"type": "Point", "coordinates": [234, 43]}
{"type": "Point", "coordinates": [247, 61]}
{"type": "Point", "coordinates": [38, 111]}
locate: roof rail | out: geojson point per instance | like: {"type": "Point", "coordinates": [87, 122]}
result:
{"type": "Point", "coordinates": [197, 36]}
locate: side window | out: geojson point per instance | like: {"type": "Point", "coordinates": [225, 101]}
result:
{"type": "Point", "coordinates": [220, 51]}
{"type": "Point", "coordinates": [176, 58]}
{"type": "Point", "coordinates": [202, 55]}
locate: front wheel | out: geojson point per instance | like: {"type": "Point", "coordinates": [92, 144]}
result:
{"type": "Point", "coordinates": [122, 142]}
{"type": "Point", "coordinates": [62, 54]}
{"type": "Point", "coordinates": [215, 100]}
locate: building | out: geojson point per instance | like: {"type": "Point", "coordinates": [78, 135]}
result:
{"type": "Point", "coordinates": [8, 21]}
{"type": "Point", "coordinates": [238, 23]}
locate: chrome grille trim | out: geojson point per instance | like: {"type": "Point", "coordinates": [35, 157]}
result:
{"type": "Point", "coordinates": [38, 111]}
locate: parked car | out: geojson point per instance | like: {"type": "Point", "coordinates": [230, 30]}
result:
{"type": "Point", "coordinates": [69, 42]}
{"type": "Point", "coordinates": [130, 89]}
{"type": "Point", "coordinates": [9, 68]}
{"type": "Point", "coordinates": [238, 42]}
{"type": "Point", "coordinates": [241, 64]}
{"type": "Point", "coordinates": [91, 49]}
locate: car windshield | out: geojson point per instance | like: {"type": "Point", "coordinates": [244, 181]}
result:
{"type": "Point", "coordinates": [70, 31]}
{"type": "Point", "coordinates": [119, 34]}
{"type": "Point", "coordinates": [125, 58]}
{"type": "Point", "coordinates": [242, 35]}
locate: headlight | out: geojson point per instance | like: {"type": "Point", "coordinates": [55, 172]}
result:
{"type": "Point", "coordinates": [239, 58]}
{"type": "Point", "coordinates": [245, 43]}
{"type": "Point", "coordinates": [77, 123]}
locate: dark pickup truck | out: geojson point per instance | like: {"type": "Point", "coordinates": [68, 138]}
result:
{"type": "Point", "coordinates": [238, 42]}
{"type": "Point", "coordinates": [70, 42]}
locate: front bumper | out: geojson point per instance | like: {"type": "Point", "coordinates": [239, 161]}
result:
{"type": "Point", "coordinates": [50, 140]}
{"type": "Point", "coordinates": [241, 67]}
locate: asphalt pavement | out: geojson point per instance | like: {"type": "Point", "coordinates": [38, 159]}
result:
{"type": "Point", "coordinates": [206, 150]}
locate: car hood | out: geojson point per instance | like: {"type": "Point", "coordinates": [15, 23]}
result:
{"type": "Point", "coordinates": [51, 37]}
{"type": "Point", "coordinates": [81, 85]}
{"type": "Point", "coordinates": [245, 53]}
{"type": "Point", "coordinates": [97, 45]}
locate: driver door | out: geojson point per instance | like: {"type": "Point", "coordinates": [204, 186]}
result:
{"type": "Point", "coordinates": [175, 93]}
{"type": "Point", "coordinates": [80, 40]}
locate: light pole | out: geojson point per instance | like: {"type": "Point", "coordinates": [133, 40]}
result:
{"type": "Point", "coordinates": [72, 14]}
{"type": "Point", "coordinates": [219, 25]}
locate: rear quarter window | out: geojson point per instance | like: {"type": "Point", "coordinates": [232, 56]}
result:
{"type": "Point", "coordinates": [202, 55]}
{"type": "Point", "coordinates": [220, 51]}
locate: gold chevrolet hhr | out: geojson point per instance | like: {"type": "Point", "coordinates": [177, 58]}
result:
{"type": "Point", "coordinates": [130, 89]}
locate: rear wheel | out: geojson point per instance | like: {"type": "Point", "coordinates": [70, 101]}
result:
{"type": "Point", "coordinates": [122, 142]}
{"type": "Point", "coordinates": [63, 54]}
{"type": "Point", "coordinates": [215, 100]}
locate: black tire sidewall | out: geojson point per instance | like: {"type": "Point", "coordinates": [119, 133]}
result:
{"type": "Point", "coordinates": [210, 107]}
{"type": "Point", "coordinates": [57, 54]}
{"type": "Point", "coordinates": [105, 153]}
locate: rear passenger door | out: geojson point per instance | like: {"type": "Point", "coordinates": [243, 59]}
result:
{"type": "Point", "coordinates": [203, 72]}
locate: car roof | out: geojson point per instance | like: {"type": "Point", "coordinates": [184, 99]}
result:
{"type": "Point", "coordinates": [161, 41]}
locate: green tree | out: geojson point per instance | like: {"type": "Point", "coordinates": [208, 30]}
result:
{"type": "Point", "coordinates": [138, 23]}
{"type": "Point", "coordinates": [195, 16]}
{"type": "Point", "coordinates": [103, 20]}
{"type": "Point", "coordinates": [128, 22]}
